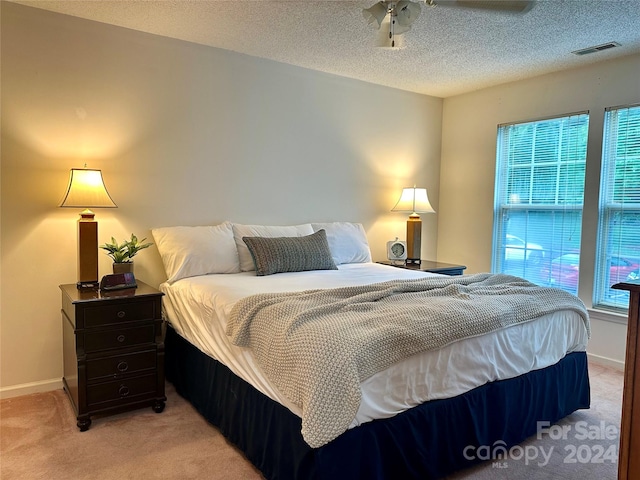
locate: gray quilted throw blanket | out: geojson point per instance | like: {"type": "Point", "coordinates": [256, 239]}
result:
{"type": "Point", "coordinates": [317, 346]}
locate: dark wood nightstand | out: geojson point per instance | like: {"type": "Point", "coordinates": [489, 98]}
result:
{"type": "Point", "coordinates": [113, 350]}
{"type": "Point", "coordinates": [629, 461]}
{"type": "Point", "coordinates": [433, 267]}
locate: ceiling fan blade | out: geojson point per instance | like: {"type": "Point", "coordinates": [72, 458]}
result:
{"type": "Point", "coordinates": [514, 6]}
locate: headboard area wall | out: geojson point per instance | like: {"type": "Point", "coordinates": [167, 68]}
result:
{"type": "Point", "coordinates": [184, 134]}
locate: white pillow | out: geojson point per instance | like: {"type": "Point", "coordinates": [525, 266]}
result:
{"type": "Point", "coordinates": [239, 231]}
{"type": "Point", "coordinates": [191, 251]}
{"type": "Point", "coordinates": [347, 241]}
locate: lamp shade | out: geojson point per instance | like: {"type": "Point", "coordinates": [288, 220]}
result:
{"type": "Point", "coordinates": [413, 200]}
{"type": "Point", "coordinates": [86, 190]}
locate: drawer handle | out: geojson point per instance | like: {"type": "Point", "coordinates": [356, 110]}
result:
{"type": "Point", "coordinates": [122, 366]}
{"type": "Point", "coordinates": [121, 338]}
{"type": "Point", "coordinates": [121, 314]}
{"type": "Point", "coordinates": [123, 390]}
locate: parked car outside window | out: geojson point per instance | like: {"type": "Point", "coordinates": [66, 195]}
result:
{"type": "Point", "coordinates": [517, 250]}
{"type": "Point", "coordinates": [564, 271]}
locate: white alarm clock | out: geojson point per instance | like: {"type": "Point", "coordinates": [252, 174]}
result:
{"type": "Point", "coordinates": [396, 250]}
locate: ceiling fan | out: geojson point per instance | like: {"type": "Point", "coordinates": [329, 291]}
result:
{"type": "Point", "coordinates": [403, 13]}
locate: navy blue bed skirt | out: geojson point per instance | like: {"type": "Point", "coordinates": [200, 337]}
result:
{"type": "Point", "coordinates": [425, 442]}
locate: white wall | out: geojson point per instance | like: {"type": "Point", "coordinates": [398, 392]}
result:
{"type": "Point", "coordinates": [469, 127]}
{"type": "Point", "coordinates": [184, 134]}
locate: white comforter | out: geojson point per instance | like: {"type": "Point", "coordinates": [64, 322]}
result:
{"type": "Point", "coordinates": [198, 308]}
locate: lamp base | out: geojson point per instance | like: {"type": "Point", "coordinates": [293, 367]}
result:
{"type": "Point", "coordinates": [414, 234]}
{"type": "Point", "coordinates": [87, 249]}
{"type": "Point", "coordinates": [88, 285]}
{"type": "Point", "coordinates": [413, 262]}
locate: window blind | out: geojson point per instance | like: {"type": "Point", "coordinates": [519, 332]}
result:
{"type": "Point", "coordinates": [539, 193]}
{"type": "Point", "coordinates": [618, 253]}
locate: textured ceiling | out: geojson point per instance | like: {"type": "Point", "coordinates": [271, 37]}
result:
{"type": "Point", "coordinates": [448, 51]}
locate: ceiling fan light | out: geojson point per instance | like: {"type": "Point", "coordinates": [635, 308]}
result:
{"type": "Point", "coordinates": [403, 26]}
{"type": "Point", "coordinates": [407, 12]}
{"type": "Point", "coordinates": [375, 13]}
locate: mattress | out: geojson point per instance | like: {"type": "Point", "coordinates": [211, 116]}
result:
{"type": "Point", "coordinates": [198, 308]}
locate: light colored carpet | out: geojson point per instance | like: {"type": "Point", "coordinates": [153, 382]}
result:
{"type": "Point", "coordinates": [39, 440]}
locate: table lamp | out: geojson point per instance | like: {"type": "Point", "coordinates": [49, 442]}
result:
{"type": "Point", "coordinates": [87, 190]}
{"type": "Point", "coordinates": [414, 200]}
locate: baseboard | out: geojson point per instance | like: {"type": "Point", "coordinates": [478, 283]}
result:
{"type": "Point", "coordinates": [606, 362]}
{"type": "Point", "coordinates": [28, 388]}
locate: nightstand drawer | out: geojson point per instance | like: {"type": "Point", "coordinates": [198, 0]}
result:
{"type": "Point", "coordinates": [116, 366]}
{"type": "Point", "coordinates": [110, 314]}
{"type": "Point", "coordinates": [118, 337]}
{"type": "Point", "coordinates": [121, 390]}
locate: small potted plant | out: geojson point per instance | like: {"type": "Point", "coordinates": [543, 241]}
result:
{"type": "Point", "coordinates": [122, 253]}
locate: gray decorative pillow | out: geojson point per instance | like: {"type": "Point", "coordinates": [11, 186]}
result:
{"type": "Point", "coordinates": [290, 254]}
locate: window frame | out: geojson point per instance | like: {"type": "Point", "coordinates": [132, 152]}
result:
{"type": "Point", "coordinates": [608, 210]}
{"type": "Point", "coordinates": [502, 205]}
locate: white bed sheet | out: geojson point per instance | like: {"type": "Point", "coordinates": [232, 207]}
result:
{"type": "Point", "coordinates": [198, 309]}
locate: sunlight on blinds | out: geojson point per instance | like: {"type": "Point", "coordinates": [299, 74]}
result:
{"type": "Point", "coordinates": [618, 257]}
{"type": "Point", "coordinates": [538, 199]}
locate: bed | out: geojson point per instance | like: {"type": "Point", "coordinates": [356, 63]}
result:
{"type": "Point", "coordinates": [422, 417]}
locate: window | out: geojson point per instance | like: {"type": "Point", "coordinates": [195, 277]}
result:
{"type": "Point", "coordinates": [538, 199]}
{"type": "Point", "coordinates": [618, 257]}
